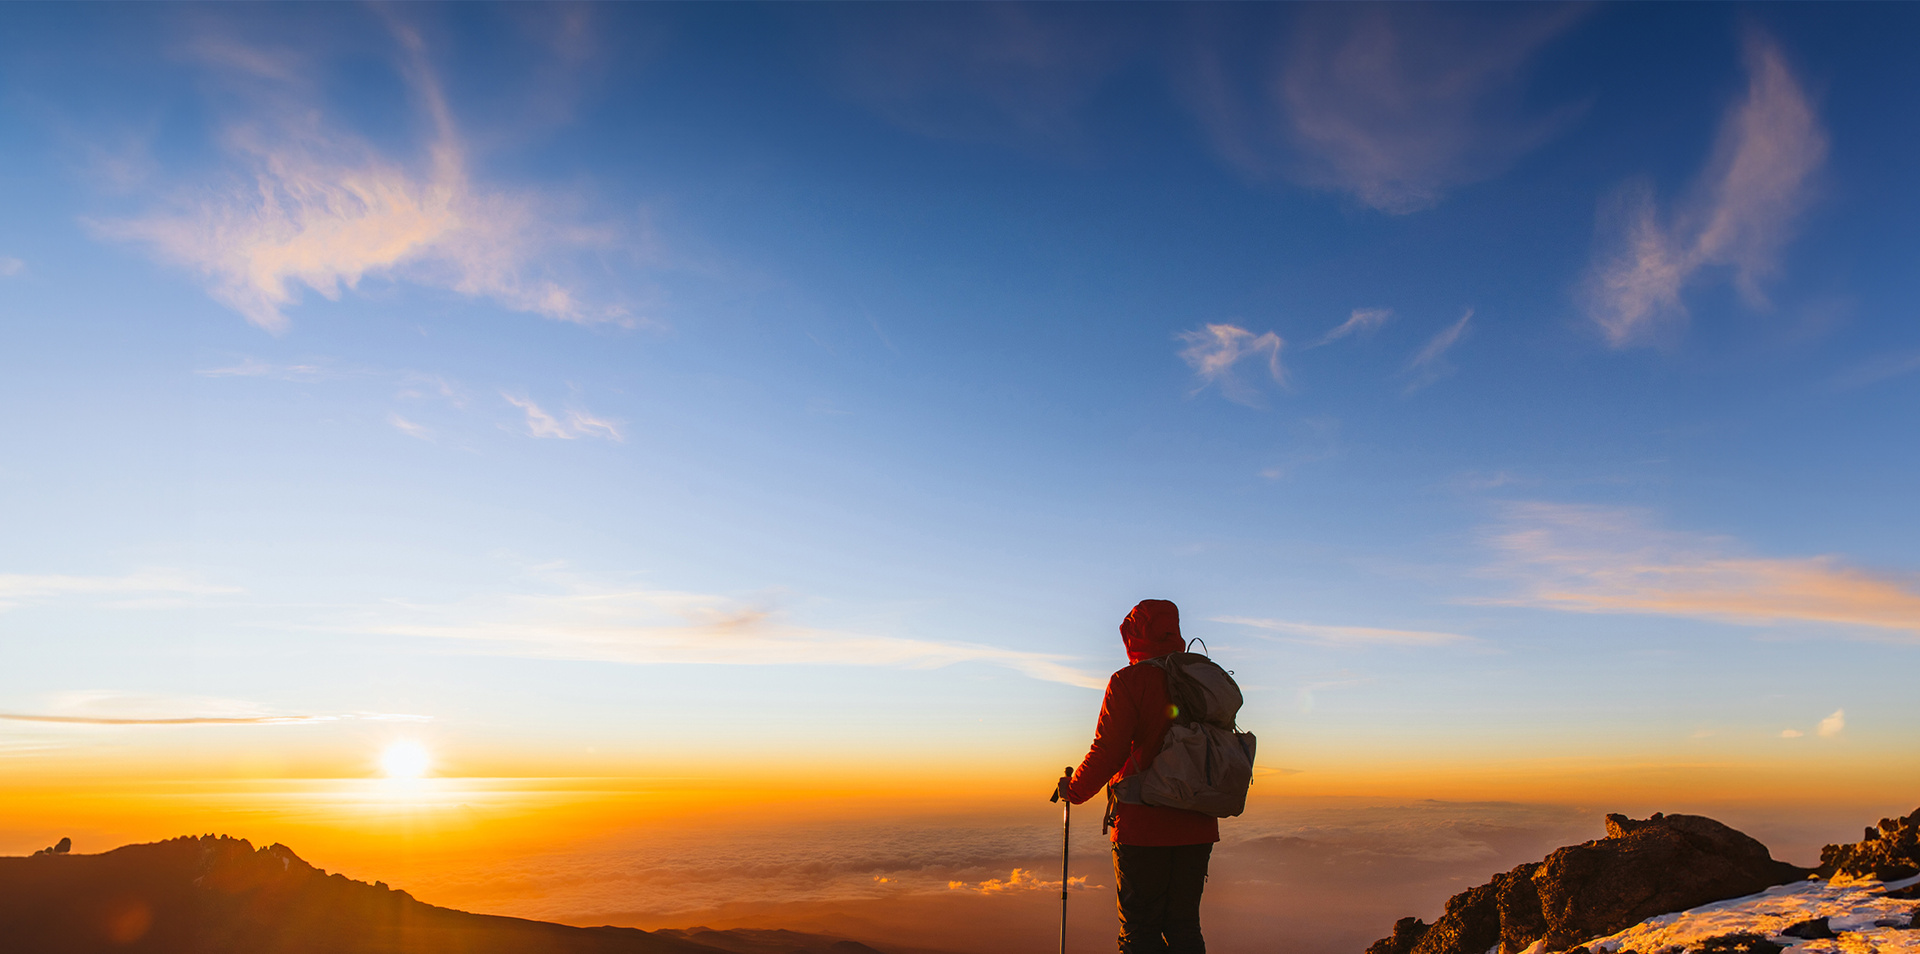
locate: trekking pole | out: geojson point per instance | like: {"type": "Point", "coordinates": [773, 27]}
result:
{"type": "Point", "coordinates": [1066, 850]}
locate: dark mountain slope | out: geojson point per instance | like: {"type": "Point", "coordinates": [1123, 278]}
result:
{"type": "Point", "coordinates": [764, 941]}
{"type": "Point", "coordinates": [217, 895]}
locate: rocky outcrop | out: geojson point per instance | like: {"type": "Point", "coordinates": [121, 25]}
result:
{"type": "Point", "coordinates": [1813, 929]}
{"type": "Point", "coordinates": [1738, 944]}
{"type": "Point", "coordinates": [1889, 851]}
{"type": "Point", "coordinates": [1406, 933]}
{"type": "Point", "coordinates": [1641, 869]}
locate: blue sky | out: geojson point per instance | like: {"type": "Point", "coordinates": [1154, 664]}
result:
{"type": "Point", "coordinates": [1485, 383]}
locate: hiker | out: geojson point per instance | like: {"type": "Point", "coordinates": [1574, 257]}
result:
{"type": "Point", "coordinates": [1159, 854]}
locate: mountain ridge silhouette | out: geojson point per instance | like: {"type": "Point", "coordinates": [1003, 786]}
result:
{"type": "Point", "coordinates": [214, 894]}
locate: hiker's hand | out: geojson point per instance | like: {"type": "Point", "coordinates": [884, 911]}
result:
{"type": "Point", "coordinates": [1062, 790]}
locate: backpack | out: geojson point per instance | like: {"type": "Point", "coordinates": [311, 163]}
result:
{"type": "Point", "coordinates": [1204, 764]}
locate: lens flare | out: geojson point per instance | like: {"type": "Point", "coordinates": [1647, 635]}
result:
{"type": "Point", "coordinates": [405, 759]}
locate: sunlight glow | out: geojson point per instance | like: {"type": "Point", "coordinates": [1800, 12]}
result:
{"type": "Point", "coordinates": [405, 759]}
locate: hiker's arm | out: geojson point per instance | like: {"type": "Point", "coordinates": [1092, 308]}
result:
{"type": "Point", "coordinates": [1112, 743]}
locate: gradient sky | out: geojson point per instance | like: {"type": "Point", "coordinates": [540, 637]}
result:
{"type": "Point", "coordinates": [1520, 399]}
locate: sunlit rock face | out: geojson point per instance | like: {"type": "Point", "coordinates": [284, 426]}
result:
{"type": "Point", "coordinates": [1662, 864]}
{"type": "Point", "coordinates": [1889, 852]}
{"type": "Point", "coordinates": [1643, 868]}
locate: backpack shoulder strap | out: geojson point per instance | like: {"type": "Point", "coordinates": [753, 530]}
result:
{"type": "Point", "coordinates": [1189, 702]}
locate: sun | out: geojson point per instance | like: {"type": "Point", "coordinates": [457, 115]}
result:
{"type": "Point", "coordinates": [405, 759]}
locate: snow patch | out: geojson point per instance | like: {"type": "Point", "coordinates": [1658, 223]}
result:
{"type": "Point", "coordinates": [1858, 911]}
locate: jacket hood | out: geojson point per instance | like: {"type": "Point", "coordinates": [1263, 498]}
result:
{"type": "Point", "coordinates": [1152, 630]}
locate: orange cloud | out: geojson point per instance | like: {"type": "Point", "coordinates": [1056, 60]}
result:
{"type": "Point", "coordinates": [1020, 880]}
{"type": "Point", "coordinates": [1604, 560]}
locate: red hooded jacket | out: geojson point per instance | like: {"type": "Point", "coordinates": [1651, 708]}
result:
{"type": "Point", "coordinates": [1133, 720]}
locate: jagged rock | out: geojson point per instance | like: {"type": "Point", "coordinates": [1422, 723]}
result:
{"type": "Point", "coordinates": [1645, 868]}
{"type": "Point", "coordinates": [1406, 933]}
{"type": "Point", "coordinates": [1738, 944]}
{"type": "Point", "coordinates": [65, 845]}
{"type": "Point", "coordinates": [1522, 920]}
{"type": "Point", "coordinates": [1642, 868]}
{"type": "Point", "coordinates": [1470, 925]}
{"type": "Point", "coordinates": [1889, 852]}
{"type": "Point", "coordinates": [1812, 929]}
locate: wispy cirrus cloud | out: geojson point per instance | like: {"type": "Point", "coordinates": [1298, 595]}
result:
{"type": "Point", "coordinates": [250, 367]}
{"type": "Point", "coordinates": [115, 708]}
{"type": "Point", "coordinates": [994, 72]}
{"type": "Point", "coordinates": [1350, 635]}
{"type": "Point", "coordinates": [582, 619]}
{"type": "Point", "coordinates": [409, 428]}
{"type": "Point", "coordinates": [418, 386]}
{"type": "Point", "coordinates": [1309, 694]}
{"type": "Point", "coordinates": [1429, 363]}
{"type": "Point", "coordinates": [1879, 368]}
{"type": "Point", "coordinates": [1394, 105]}
{"type": "Point", "coordinates": [1214, 351]}
{"type": "Point", "coordinates": [1739, 216]}
{"type": "Point", "coordinates": [208, 720]}
{"type": "Point", "coordinates": [20, 588]}
{"type": "Point", "coordinates": [577, 424]}
{"type": "Point", "coordinates": [1589, 559]}
{"type": "Point", "coordinates": [316, 207]}
{"type": "Point", "coordinates": [1362, 321]}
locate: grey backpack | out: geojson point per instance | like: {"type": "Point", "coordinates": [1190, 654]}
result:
{"type": "Point", "coordinates": [1204, 764]}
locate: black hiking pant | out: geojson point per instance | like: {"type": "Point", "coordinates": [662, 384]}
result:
{"type": "Point", "coordinates": [1159, 888]}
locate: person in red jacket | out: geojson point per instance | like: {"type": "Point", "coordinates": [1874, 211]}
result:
{"type": "Point", "coordinates": [1159, 854]}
